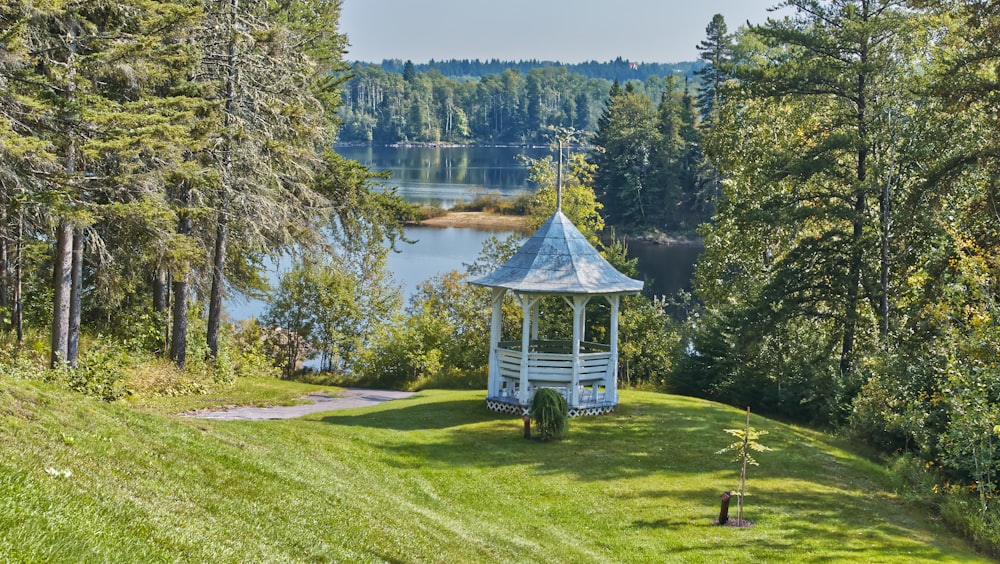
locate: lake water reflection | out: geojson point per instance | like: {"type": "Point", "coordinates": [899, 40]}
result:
{"type": "Point", "coordinates": [444, 175]}
{"type": "Point", "coordinates": [665, 268]}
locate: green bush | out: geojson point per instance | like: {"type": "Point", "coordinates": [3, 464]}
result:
{"type": "Point", "coordinates": [495, 202]}
{"type": "Point", "coordinates": [101, 371]}
{"type": "Point", "coordinates": [451, 378]}
{"type": "Point", "coordinates": [24, 363]}
{"type": "Point", "coordinates": [550, 413]}
{"type": "Point", "coordinates": [428, 212]}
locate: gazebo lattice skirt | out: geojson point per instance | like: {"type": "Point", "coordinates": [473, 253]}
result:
{"type": "Point", "coordinates": [512, 406]}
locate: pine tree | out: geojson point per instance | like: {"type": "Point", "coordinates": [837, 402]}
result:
{"type": "Point", "coordinates": [716, 50]}
{"type": "Point", "coordinates": [792, 264]}
{"type": "Point", "coordinates": [272, 68]}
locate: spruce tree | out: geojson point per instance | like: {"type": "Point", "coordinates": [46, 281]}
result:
{"type": "Point", "coordinates": [716, 50]}
{"type": "Point", "coordinates": [272, 67]}
{"type": "Point", "coordinates": [625, 142]}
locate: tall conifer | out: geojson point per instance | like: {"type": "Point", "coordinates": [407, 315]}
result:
{"type": "Point", "coordinates": [716, 50]}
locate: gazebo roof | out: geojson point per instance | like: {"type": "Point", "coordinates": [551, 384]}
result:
{"type": "Point", "coordinates": [558, 259]}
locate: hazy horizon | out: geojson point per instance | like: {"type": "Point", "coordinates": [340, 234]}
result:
{"type": "Point", "coordinates": [584, 30]}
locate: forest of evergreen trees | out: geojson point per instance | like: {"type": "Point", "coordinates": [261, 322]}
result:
{"type": "Point", "coordinates": [657, 121]}
{"type": "Point", "coordinates": [153, 154]}
{"type": "Point", "coordinates": [618, 69]}
{"type": "Point", "coordinates": [408, 105]}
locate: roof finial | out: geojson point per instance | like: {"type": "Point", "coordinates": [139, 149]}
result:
{"type": "Point", "coordinates": [559, 180]}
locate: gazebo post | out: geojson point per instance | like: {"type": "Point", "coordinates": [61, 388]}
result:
{"type": "Point", "coordinates": [496, 328]}
{"type": "Point", "coordinates": [526, 305]}
{"type": "Point", "coordinates": [611, 381]}
{"type": "Point", "coordinates": [579, 305]}
{"type": "Point", "coordinates": [535, 309]}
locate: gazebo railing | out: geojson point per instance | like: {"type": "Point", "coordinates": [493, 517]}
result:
{"type": "Point", "coordinates": [555, 346]}
{"type": "Point", "coordinates": [555, 370]}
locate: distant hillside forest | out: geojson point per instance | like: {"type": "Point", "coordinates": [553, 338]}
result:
{"type": "Point", "coordinates": [619, 69]}
{"type": "Point", "coordinates": [516, 103]}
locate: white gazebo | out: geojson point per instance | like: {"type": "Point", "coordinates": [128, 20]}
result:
{"type": "Point", "coordinates": [556, 261]}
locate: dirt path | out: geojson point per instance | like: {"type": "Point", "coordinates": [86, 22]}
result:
{"type": "Point", "coordinates": [352, 397]}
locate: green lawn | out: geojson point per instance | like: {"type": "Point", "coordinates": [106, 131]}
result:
{"type": "Point", "coordinates": [433, 478]}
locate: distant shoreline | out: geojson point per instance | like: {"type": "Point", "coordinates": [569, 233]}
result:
{"type": "Point", "coordinates": [485, 221]}
{"type": "Point", "coordinates": [476, 220]}
{"type": "Point", "coordinates": [450, 145]}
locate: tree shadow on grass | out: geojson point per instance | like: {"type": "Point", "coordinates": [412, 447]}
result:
{"type": "Point", "coordinates": [411, 414]}
{"type": "Point", "coordinates": [643, 437]}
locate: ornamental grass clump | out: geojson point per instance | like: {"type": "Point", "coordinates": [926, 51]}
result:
{"type": "Point", "coordinates": [550, 412]}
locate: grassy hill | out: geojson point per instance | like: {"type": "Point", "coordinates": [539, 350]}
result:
{"type": "Point", "coordinates": [433, 478]}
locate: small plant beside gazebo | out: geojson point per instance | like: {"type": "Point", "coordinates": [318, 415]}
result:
{"type": "Point", "coordinates": [551, 414]}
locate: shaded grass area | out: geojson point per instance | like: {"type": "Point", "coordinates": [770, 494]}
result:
{"type": "Point", "coordinates": [436, 478]}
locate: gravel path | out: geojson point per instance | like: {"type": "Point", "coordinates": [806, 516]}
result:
{"type": "Point", "coordinates": [352, 397]}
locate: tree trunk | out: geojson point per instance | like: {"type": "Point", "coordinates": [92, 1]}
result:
{"type": "Point", "coordinates": [18, 316]}
{"type": "Point", "coordinates": [178, 333]}
{"type": "Point", "coordinates": [62, 281]}
{"type": "Point", "coordinates": [724, 509]}
{"type": "Point", "coordinates": [853, 281]}
{"type": "Point", "coordinates": [161, 301]}
{"type": "Point", "coordinates": [178, 340]}
{"type": "Point", "coordinates": [218, 281]}
{"type": "Point", "coordinates": [222, 231]}
{"type": "Point", "coordinates": [160, 290]}
{"type": "Point", "coordinates": [63, 264]}
{"type": "Point", "coordinates": [75, 301]}
{"type": "Point", "coordinates": [854, 268]}
{"type": "Point", "coordinates": [5, 263]}
{"type": "Point", "coordinates": [885, 210]}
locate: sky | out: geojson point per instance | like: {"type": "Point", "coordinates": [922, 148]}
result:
{"type": "Point", "coordinates": [569, 31]}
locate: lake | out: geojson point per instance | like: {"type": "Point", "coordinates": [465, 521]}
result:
{"type": "Point", "coordinates": [444, 175]}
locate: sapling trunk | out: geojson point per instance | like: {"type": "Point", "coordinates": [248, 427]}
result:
{"type": "Point", "coordinates": [743, 471]}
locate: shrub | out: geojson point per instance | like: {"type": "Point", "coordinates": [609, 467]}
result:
{"type": "Point", "coordinates": [495, 202]}
{"type": "Point", "coordinates": [161, 377]}
{"type": "Point", "coordinates": [25, 364]}
{"type": "Point", "coordinates": [960, 511]}
{"type": "Point", "coordinates": [551, 414]}
{"type": "Point", "coordinates": [428, 212]}
{"type": "Point", "coordinates": [101, 371]}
